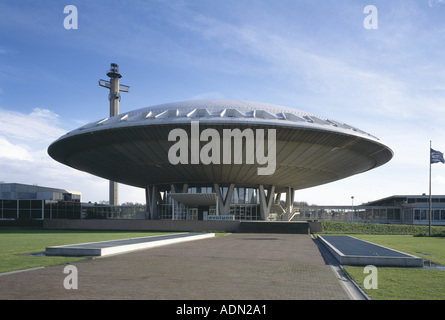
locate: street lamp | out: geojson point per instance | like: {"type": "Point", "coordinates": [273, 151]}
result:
{"type": "Point", "coordinates": [352, 215]}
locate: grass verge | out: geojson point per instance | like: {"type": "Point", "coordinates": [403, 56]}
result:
{"type": "Point", "coordinates": [402, 283]}
{"type": "Point", "coordinates": [16, 243]}
{"type": "Point", "coordinates": [331, 227]}
{"type": "Point", "coordinates": [399, 283]}
{"type": "Point", "coordinates": [406, 283]}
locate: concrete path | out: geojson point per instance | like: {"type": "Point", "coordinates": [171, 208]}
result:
{"type": "Point", "coordinates": [231, 267]}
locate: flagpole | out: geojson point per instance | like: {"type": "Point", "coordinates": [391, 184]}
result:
{"type": "Point", "coordinates": [429, 215]}
{"type": "Point", "coordinates": [435, 157]}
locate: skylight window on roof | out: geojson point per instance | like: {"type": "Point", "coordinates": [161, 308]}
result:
{"type": "Point", "coordinates": [101, 121]}
{"type": "Point", "coordinates": [198, 113]}
{"type": "Point", "coordinates": [294, 117]}
{"type": "Point", "coordinates": [308, 119]}
{"type": "Point", "coordinates": [263, 114]}
{"type": "Point", "coordinates": [168, 114]}
{"type": "Point", "coordinates": [232, 113]}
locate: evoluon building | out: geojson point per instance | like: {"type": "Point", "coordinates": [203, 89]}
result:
{"type": "Point", "coordinates": [219, 159]}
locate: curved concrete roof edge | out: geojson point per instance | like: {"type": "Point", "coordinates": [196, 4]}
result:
{"type": "Point", "coordinates": [218, 111]}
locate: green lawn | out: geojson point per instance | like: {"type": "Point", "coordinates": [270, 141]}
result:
{"type": "Point", "coordinates": [14, 242]}
{"type": "Point", "coordinates": [399, 283]}
{"type": "Point", "coordinates": [393, 283]}
{"type": "Point", "coordinates": [403, 283]}
{"type": "Point", "coordinates": [406, 283]}
{"type": "Point", "coordinates": [429, 248]}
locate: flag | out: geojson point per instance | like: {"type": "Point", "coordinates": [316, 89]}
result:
{"type": "Point", "coordinates": [436, 156]}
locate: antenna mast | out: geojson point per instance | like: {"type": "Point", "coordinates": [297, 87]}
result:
{"type": "Point", "coordinates": [114, 98]}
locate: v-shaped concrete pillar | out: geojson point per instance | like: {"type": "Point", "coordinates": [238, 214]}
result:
{"type": "Point", "coordinates": [224, 204]}
{"type": "Point", "coordinates": [266, 200]}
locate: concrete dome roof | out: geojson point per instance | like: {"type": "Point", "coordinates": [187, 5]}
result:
{"type": "Point", "coordinates": [240, 111]}
{"type": "Point", "coordinates": [132, 147]}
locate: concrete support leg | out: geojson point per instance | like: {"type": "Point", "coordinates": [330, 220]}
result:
{"type": "Point", "coordinates": [173, 190]}
{"type": "Point", "coordinates": [152, 197]}
{"type": "Point", "coordinates": [290, 195]}
{"type": "Point", "coordinates": [148, 200]}
{"type": "Point", "coordinates": [114, 193]}
{"type": "Point", "coordinates": [224, 203]}
{"type": "Point", "coordinates": [266, 200]}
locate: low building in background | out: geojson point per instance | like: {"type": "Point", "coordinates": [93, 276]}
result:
{"type": "Point", "coordinates": [397, 209]}
{"type": "Point", "coordinates": [31, 202]}
{"type": "Point", "coordinates": [18, 191]}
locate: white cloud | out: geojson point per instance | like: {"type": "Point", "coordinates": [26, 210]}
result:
{"type": "Point", "coordinates": [10, 151]}
{"type": "Point", "coordinates": [40, 125]}
{"type": "Point", "coordinates": [432, 3]}
{"type": "Point", "coordinates": [24, 139]}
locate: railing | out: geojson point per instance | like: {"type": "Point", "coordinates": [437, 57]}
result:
{"type": "Point", "coordinates": [282, 214]}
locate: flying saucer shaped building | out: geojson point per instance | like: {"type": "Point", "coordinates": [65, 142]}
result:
{"type": "Point", "coordinates": [209, 158]}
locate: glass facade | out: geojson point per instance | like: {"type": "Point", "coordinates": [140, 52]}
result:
{"type": "Point", "coordinates": [112, 212]}
{"type": "Point", "coordinates": [62, 210]}
{"type": "Point", "coordinates": [245, 211]}
{"type": "Point", "coordinates": [347, 214]}
{"type": "Point", "coordinates": [50, 209]}
{"type": "Point", "coordinates": [244, 205]}
{"type": "Point", "coordinates": [9, 209]}
{"type": "Point", "coordinates": [21, 209]}
{"type": "Point", "coordinates": [422, 215]}
{"type": "Point", "coordinates": [240, 195]}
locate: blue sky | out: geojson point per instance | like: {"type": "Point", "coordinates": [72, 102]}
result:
{"type": "Point", "coordinates": [316, 56]}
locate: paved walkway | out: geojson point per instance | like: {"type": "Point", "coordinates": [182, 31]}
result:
{"type": "Point", "coordinates": [232, 267]}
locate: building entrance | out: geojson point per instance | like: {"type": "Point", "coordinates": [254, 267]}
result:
{"type": "Point", "coordinates": [199, 213]}
{"type": "Point", "coordinates": [192, 214]}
